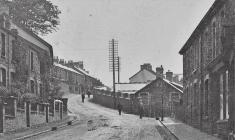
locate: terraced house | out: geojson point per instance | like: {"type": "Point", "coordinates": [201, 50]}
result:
{"type": "Point", "coordinates": [25, 59]}
{"type": "Point", "coordinates": [208, 70]}
{"type": "Point", "coordinates": [70, 80]}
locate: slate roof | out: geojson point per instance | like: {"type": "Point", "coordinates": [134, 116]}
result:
{"type": "Point", "coordinates": [166, 81]}
{"type": "Point", "coordinates": [203, 23]}
{"type": "Point", "coordinates": [67, 68]}
{"type": "Point", "coordinates": [130, 88]}
{"type": "Point", "coordinates": [141, 71]}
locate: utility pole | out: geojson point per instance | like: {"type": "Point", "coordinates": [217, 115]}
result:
{"type": "Point", "coordinates": [113, 60]}
{"type": "Point", "coordinates": [162, 108]}
{"type": "Point", "coordinates": [114, 89]}
{"type": "Point", "coordinates": [118, 69]}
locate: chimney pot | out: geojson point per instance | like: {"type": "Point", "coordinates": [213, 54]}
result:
{"type": "Point", "coordinates": [159, 72]}
{"type": "Point", "coordinates": [169, 75]}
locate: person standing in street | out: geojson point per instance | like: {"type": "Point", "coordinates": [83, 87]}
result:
{"type": "Point", "coordinates": [119, 108]}
{"type": "Point", "coordinates": [88, 93]}
{"type": "Point", "coordinates": [83, 97]}
{"type": "Point", "coordinates": [141, 110]}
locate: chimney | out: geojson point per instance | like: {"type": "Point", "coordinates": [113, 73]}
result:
{"type": "Point", "coordinates": [56, 59]}
{"type": "Point", "coordinates": [146, 66]}
{"type": "Point", "coordinates": [79, 64]}
{"type": "Point", "coordinates": [159, 72]}
{"type": "Point", "coordinates": [169, 75]}
{"type": "Point", "coordinates": [62, 61]}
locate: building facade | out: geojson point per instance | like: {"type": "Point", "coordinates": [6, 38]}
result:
{"type": "Point", "coordinates": [146, 74]}
{"type": "Point", "coordinates": [69, 80]}
{"type": "Point", "coordinates": [208, 71]}
{"type": "Point", "coordinates": [25, 58]}
{"type": "Point", "coordinates": [161, 96]}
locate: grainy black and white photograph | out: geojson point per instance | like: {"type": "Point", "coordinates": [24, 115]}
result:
{"type": "Point", "coordinates": [117, 69]}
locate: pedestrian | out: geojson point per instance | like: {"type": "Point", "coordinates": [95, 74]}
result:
{"type": "Point", "coordinates": [88, 93]}
{"type": "Point", "coordinates": [83, 97]}
{"type": "Point", "coordinates": [141, 110]}
{"type": "Point", "coordinates": [119, 108]}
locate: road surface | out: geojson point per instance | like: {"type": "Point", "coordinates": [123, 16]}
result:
{"type": "Point", "coordinates": [100, 123]}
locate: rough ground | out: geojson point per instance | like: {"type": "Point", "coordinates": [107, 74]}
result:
{"type": "Point", "coordinates": [100, 123]}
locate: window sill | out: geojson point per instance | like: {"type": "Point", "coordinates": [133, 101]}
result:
{"type": "Point", "coordinates": [222, 121]}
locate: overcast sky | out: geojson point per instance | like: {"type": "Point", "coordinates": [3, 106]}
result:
{"type": "Point", "coordinates": [148, 31]}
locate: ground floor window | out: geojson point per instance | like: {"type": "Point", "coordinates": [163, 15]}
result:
{"type": "Point", "coordinates": [224, 90]}
{"type": "Point", "coordinates": [206, 97]}
{"type": "Point", "coordinates": [32, 86]}
{"type": "Point", "coordinates": [3, 77]}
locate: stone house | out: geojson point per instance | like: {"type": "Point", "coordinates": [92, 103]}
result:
{"type": "Point", "coordinates": [25, 58]}
{"type": "Point", "coordinates": [161, 95]}
{"type": "Point", "coordinates": [70, 81]}
{"type": "Point", "coordinates": [208, 71]}
{"type": "Point", "coordinates": [145, 74]}
{"type": "Point", "coordinates": [7, 67]}
{"type": "Point", "coordinates": [90, 80]}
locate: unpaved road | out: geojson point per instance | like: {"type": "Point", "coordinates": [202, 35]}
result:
{"type": "Point", "coordinates": [100, 123]}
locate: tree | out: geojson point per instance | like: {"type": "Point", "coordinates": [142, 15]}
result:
{"type": "Point", "coordinates": [39, 16]}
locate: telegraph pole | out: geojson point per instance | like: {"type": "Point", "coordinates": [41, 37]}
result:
{"type": "Point", "coordinates": [114, 89]}
{"type": "Point", "coordinates": [113, 63]}
{"type": "Point", "coordinates": [118, 69]}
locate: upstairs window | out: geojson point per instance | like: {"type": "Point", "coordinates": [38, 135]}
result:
{"type": "Point", "coordinates": [214, 54]}
{"type": "Point", "coordinates": [3, 48]}
{"type": "Point", "coordinates": [31, 61]}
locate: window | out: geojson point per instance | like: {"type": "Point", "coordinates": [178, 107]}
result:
{"type": "Point", "coordinates": [206, 98]}
{"type": "Point", "coordinates": [41, 90]}
{"type": "Point", "coordinates": [32, 86]}
{"type": "Point", "coordinates": [3, 51]}
{"type": "Point", "coordinates": [13, 56]}
{"type": "Point", "coordinates": [3, 77]}
{"type": "Point", "coordinates": [224, 90]}
{"type": "Point", "coordinates": [226, 95]}
{"type": "Point", "coordinates": [31, 60]}
{"type": "Point", "coordinates": [12, 77]}
{"type": "Point", "coordinates": [221, 97]}
{"type": "Point", "coordinates": [214, 40]}
{"type": "Point", "coordinates": [199, 51]}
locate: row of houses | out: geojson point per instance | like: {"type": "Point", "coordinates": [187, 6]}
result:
{"type": "Point", "coordinates": [157, 92]}
{"type": "Point", "coordinates": [72, 77]}
{"type": "Point", "coordinates": [27, 64]}
{"type": "Point", "coordinates": [208, 71]}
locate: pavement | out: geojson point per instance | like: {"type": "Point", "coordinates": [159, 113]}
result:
{"type": "Point", "coordinates": [186, 132]}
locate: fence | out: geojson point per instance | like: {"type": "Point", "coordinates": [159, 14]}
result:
{"type": "Point", "coordinates": [131, 105]}
{"type": "Point", "coordinates": [14, 116]}
{"type": "Point", "coordinates": [105, 98]}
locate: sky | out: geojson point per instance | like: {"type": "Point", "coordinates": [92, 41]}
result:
{"type": "Point", "coordinates": [148, 31]}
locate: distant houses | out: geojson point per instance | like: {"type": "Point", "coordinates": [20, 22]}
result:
{"type": "Point", "coordinates": [162, 96]}
{"type": "Point", "coordinates": [144, 75]}
{"type": "Point", "coordinates": [72, 77]}
{"type": "Point", "coordinates": [156, 92]}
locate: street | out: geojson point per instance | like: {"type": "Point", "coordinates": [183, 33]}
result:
{"type": "Point", "coordinates": [97, 122]}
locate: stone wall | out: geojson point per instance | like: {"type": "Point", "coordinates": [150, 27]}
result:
{"type": "Point", "coordinates": [104, 98]}
{"type": "Point", "coordinates": [37, 116]}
